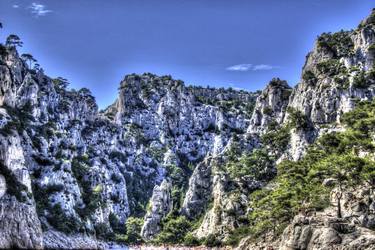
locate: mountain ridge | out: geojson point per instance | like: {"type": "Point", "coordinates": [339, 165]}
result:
{"type": "Point", "coordinates": [174, 164]}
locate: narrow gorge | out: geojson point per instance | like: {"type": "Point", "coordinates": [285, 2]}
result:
{"type": "Point", "coordinates": [179, 165]}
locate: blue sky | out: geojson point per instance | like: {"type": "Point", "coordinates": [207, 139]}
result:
{"type": "Point", "coordinates": [222, 43]}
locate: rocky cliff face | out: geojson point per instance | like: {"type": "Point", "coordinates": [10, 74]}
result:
{"type": "Point", "coordinates": [80, 171]}
{"type": "Point", "coordinates": [160, 205]}
{"type": "Point", "coordinates": [337, 73]}
{"type": "Point", "coordinates": [323, 230]}
{"type": "Point", "coordinates": [270, 106]}
{"type": "Point", "coordinates": [71, 176]}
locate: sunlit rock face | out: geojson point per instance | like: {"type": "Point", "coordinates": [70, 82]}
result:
{"type": "Point", "coordinates": [270, 106]}
{"type": "Point", "coordinates": [161, 204]}
{"type": "Point", "coordinates": [3, 186]}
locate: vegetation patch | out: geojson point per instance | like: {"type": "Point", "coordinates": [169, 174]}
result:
{"type": "Point", "coordinates": [21, 119]}
{"type": "Point", "coordinates": [331, 67]}
{"type": "Point", "coordinates": [339, 43]}
{"type": "Point", "coordinates": [174, 230]}
{"type": "Point", "coordinates": [277, 138]}
{"type": "Point", "coordinates": [309, 77]}
{"type": "Point", "coordinates": [297, 119]}
{"type": "Point", "coordinates": [298, 185]}
{"type": "Point", "coordinates": [14, 187]}
{"type": "Point", "coordinates": [255, 165]}
{"type": "Point", "coordinates": [63, 222]}
{"type": "Point", "coordinates": [91, 196]}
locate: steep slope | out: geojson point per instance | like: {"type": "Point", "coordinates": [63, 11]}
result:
{"type": "Point", "coordinates": [338, 72]}
{"type": "Point", "coordinates": [323, 200]}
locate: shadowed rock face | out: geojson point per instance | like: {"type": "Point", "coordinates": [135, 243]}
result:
{"type": "Point", "coordinates": [20, 226]}
{"type": "Point", "coordinates": [69, 172]}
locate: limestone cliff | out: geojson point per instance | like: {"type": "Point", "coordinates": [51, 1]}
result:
{"type": "Point", "coordinates": [183, 160]}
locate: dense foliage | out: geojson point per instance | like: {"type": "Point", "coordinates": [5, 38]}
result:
{"type": "Point", "coordinates": [174, 230]}
{"type": "Point", "coordinates": [339, 43]}
{"type": "Point", "coordinates": [132, 234]}
{"type": "Point", "coordinates": [90, 196]}
{"type": "Point", "coordinates": [255, 165]}
{"type": "Point", "coordinates": [299, 185]}
{"type": "Point", "coordinates": [14, 186]}
{"type": "Point", "coordinates": [297, 119]}
{"type": "Point", "coordinates": [277, 138]}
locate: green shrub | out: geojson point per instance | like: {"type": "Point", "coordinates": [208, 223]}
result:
{"type": "Point", "coordinates": [41, 198]}
{"type": "Point", "coordinates": [54, 188]}
{"type": "Point", "coordinates": [267, 111]}
{"type": "Point", "coordinates": [179, 176]}
{"type": "Point", "coordinates": [297, 119]}
{"type": "Point", "coordinates": [115, 178]}
{"type": "Point", "coordinates": [14, 187]}
{"type": "Point", "coordinates": [298, 185]}
{"type": "Point", "coordinates": [339, 43]}
{"type": "Point", "coordinates": [191, 241]}
{"type": "Point", "coordinates": [8, 128]}
{"type": "Point", "coordinates": [139, 190]}
{"type": "Point", "coordinates": [90, 196]}
{"type": "Point", "coordinates": [237, 235]}
{"type": "Point", "coordinates": [43, 161]}
{"type": "Point", "coordinates": [133, 227]}
{"type": "Point", "coordinates": [21, 118]}
{"type": "Point", "coordinates": [331, 67]}
{"type": "Point", "coordinates": [103, 232]}
{"type": "Point", "coordinates": [362, 119]}
{"type": "Point", "coordinates": [255, 165]}
{"type": "Point", "coordinates": [61, 221]}
{"type": "Point", "coordinates": [276, 138]}
{"type": "Point", "coordinates": [360, 81]}
{"type": "Point", "coordinates": [342, 81]}
{"type": "Point", "coordinates": [309, 76]}
{"type": "Point", "coordinates": [212, 241]}
{"type": "Point", "coordinates": [117, 155]}
{"type": "Point", "coordinates": [174, 230]}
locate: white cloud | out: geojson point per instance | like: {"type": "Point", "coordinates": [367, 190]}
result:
{"type": "Point", "coordinates": [240, 67]}
{"type": "Point", "coordinates": [39, 9]}
{"type": "Point", "coordinates": [248, 66]}
{"type": "Point", "coordinates": [16, 6]}
{"type": "Point", "coordinates": [264, 67]}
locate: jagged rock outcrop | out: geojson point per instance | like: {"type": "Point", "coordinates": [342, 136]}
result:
{"type": "Point", "coordinates": [160, 205]}
{"type": "Point", "coordinates": [323, 230]}
{"type": "Point", "coordinates": [270, 106]}
{"type": "Point", "coordinates": [200, 190]}
{"type": "Point", "coordinates": [337, 73]}
{"type": "Point", "coordinates": [226, 208]}
{"type": "Point", "coordinates": [20, 225]}
{"type": "Point", "coordinates": [313, 230]}
{"type": "Point", "coordinates": [57, 240]}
